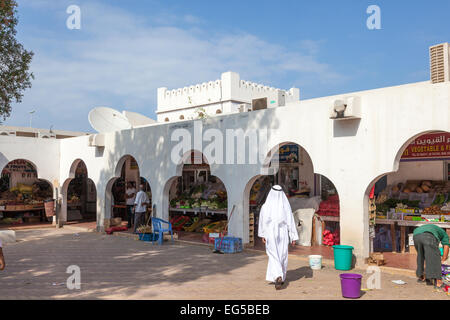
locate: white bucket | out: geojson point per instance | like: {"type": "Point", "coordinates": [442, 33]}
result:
{"type": "Point", "coordinates": [315, 262]}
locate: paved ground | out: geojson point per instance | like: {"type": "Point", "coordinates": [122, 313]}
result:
{"type": "Point", "coordinates": [114, 267]}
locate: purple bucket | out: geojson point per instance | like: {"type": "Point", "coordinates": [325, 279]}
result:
{"type": "Point", "coordinates": [351, 285]}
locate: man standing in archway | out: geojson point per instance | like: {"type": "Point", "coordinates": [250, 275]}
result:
{"type": "Point", "coordinates": [140, 207]}
{"type": "Point", "coordinates": [130, 196]}
{"type": "Point", "coordinates": [276, 227]}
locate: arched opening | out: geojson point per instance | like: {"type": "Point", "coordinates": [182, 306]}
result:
{"type": "Point", "coordinates": [218, 111]}
{"type": "Point", "coordinates": [166, 119]}
{"type": "Point", "coordinates": [22, 195]}
{"type": "Point", "coordinates": [181, 117]}
{"type": "Point", "coordinates": [313, 198]}
{"type": "Point", "coordinates": [417, 193]}
{"type": "Point", "coordinates": [197, 200]}
{"type": "Point", "coordinates": [81, 195]}
{"type": "Point", "coordinates": [122, 191]}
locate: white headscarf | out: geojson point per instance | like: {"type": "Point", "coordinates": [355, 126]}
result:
{"type": "Point", "coordinates": [277, 208]}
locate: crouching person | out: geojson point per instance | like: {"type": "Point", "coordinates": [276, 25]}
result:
{"type": "Point", "coordinates": [426, 240]}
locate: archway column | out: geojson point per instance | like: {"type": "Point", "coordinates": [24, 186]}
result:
{"type": "Point", "coordinates": [103, 211]}
{"type": "Point", "coordinates": [353, 220]}
{"type": "Point", "coordinates": [160, 201]}
{"type": "Point", "coordinates": [239, 224]}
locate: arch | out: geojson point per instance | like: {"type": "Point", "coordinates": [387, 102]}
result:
{"type": "Point", "coordinates": [218, 111]}
{"type": "Point", "coordinates": [20, 182]}
{"type": "Point", "coordinates": [408, 142]}
{"type": "Point", "coordinates": [74, 165]}
{"type": "Point", "coordinates": [166, 119]}
{"type": "Point", "coordinates": [274, 149]}
{"type": "Point", "coordinates": [115, 187]}
{"type": "Point", "coordinates": [16, 159]}
{"type": "Point", "coordinates": [273, 170]}
{"type": "Point", "coordinates": [85, 208]}
{"type": "Point", "coordinates": [176, 191]}
{"type": "Point", "coordinates": [396, 169]}
{"type": "Point", "coordinates": [185, 157]}
{"type": "Point", "coordinates": [181, 117]}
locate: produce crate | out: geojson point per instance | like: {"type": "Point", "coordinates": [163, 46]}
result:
{"type": "Point", "coordinates": [32, 219]}
{"type": "Point", "coordinates": [229, 245]}
{"type": "Point", "coordinates": [148, 237]}
{"type": "Point", "coordinates": [217, 226]}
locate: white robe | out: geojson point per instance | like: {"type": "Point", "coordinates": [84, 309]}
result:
{"type": "Point", "coordinates": [277, 226]}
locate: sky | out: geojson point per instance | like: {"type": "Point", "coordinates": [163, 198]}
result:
{"type": "Point", "coordinates": [125, 50]}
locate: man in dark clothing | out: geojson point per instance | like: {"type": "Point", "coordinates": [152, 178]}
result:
{"type": "Point", "coordinates": [426, 240]}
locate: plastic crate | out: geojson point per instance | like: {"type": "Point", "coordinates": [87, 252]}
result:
{"type": "Point", "coordinates": [228, 245]}
{"type": "Point", "coordinates": [148, 237]}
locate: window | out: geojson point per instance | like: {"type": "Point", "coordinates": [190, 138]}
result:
{"type": "Point", "coordinates": [166, 119]}
{"type": "Point", "coordinates": [181, 117]}
{"type": "Point", "coordinates": [218, 111]}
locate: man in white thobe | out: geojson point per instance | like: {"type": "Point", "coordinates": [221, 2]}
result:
{"type": "Point", "coordinates": [140, 207]}
{"type": "Point", "coordinates": [276, 226]}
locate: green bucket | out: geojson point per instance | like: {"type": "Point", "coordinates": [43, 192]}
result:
{"type": "Point", "coordinates": [343, 256]}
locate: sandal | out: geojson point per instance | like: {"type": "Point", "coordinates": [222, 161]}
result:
{"type": "Point", "coordinates": [421, 279]}
{"type": "Point", "coordinates": [278, 283]}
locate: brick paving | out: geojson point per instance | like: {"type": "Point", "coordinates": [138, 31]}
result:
{"type": "Point", "coordinates": [117, 267]}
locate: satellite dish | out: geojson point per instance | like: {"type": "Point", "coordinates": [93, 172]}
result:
{"type": "Point", "coordinates": [137, 119]}
{"type": "Point", "coordinates": [105, 119]}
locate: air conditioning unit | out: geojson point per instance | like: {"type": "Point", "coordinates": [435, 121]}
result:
{"type": "Point", "coordinates": [347, 108]}
{"type": "Point", "coordinates": [440, 63]}
{"type": "Point", "coordinates": [7, 133]}
{"type": "Point", "coordinates": [244, 107]}
{"type": "Point", "coordinates": [96, 140]}
{"type": "Point", "coordinates": [259, 104]}
{"type": "Point", "coordinates": [44, 135]}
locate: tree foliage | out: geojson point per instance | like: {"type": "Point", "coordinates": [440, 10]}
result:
{"type": "Point", "coordinates": [15, 76]}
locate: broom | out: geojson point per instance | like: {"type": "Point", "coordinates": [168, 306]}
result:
{"type": "Point", "coordinates": [226, 229]}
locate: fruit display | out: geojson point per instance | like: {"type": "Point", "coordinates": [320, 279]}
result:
{"type": "Point", "coordinates": [196, 224]}
{"type": "Point", "coordinates": [382, 197]}
{"type": "Point", "coordinates": [331, 239]}
{"type": "Point", "coordinates": [201, 197]}
{"type": "Point", "coordinates": [74, 199]}
{"type": "Point", "coordinates": [440, 199]}
{"type": "Point", "coordinates": [433, 210]}
{"type": "Point", "coordinates": [144, 229]}
{"type": "Point", "coordinates": [178, 222]}
{"type": "Point", "coordinates": [217, 226]}
{"type": "Point", "coordinates": [23, 194]}
{"type": "Point", "coordinates": [329, 207]}
{"type": "Point", "coordinates": [446, 208]}
{"type": "Point", "coordinates": [420, 187]}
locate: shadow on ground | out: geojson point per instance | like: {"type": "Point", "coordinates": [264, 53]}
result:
{"type": "Point", "coordinates": [110, 265]}
{"type": "Point", "coordinates": [295, 275]}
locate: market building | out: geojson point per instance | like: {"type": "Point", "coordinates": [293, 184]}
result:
{"type": "Point", "coordinates": [332, 152]}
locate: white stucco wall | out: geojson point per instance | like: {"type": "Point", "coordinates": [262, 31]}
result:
{"type": "Point", "coordinates": [225, 94]}
{"type": "Point", "coordinates": [351, 153]}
